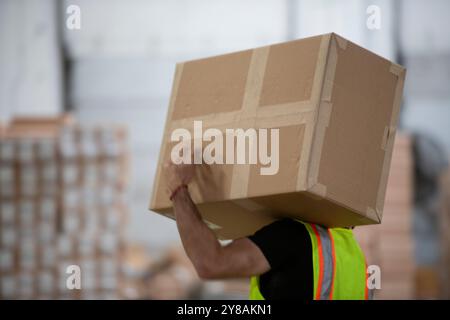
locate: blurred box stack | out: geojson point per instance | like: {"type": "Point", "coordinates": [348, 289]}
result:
{"type": "Point", "coordinates": [62, 202]}
{"type": "Point", "coordinates": [230, 289]}
{"type": "Point", "coordinates": [445, 236]}
{"type": "Point", "coordinates": [390, 245]}
{"type": "Point", "coordinates": [169, 276]}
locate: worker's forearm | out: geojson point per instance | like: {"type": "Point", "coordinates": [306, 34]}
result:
{"type": "Point", "coordinates": [199, 242]}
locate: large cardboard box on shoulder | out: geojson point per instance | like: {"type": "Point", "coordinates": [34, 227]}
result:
{"type": "Point", "coordinates": [335, 106]}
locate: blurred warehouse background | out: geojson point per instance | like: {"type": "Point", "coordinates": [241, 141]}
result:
{"type": "Point", "coordinates": [113, 76]}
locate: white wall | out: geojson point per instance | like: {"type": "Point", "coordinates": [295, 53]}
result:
{"type": "Point", "coordinates": [426, 44]}
{"type": "Point", "coordinates": [348, 18]}
{"type": "Point", "coordinates": [29, 58]}
{"type": "Point", "coordinates": [175, 29]}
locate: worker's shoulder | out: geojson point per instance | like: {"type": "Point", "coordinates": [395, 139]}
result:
{"type": "Point", "coordinates": [287, 225]}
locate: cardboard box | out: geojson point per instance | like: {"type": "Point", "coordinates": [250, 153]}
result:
{"type": "Point", "coordinates": [37, 126]}
{"type": "Point", "coordinates": [336, 106]}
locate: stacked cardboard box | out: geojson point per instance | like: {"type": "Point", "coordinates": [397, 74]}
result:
{"type": "Point", "coordinates": [62, 202]}
{"type": "Point", "coordinates": [427, 283]}
{"type": "Point", "coordinates": [390, 245]}
{"type": "Point", "coordinates": [445, 237]}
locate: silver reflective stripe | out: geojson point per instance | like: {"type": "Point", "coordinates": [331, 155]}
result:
{"type": "Point", "coordinates": [371, 292]}
{"type": "Point", "coordinates": [328, 263]}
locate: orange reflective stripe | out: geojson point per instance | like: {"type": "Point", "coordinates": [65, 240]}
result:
{"type": "Point", "coordinates": [319, 249]}
{"type": "Point", "coordinates": [334, 264]}
{"type": "Point", "coordinates": [366, 287]}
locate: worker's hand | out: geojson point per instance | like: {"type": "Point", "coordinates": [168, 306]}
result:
{"type": "Point", "coordinates": [177, 175]}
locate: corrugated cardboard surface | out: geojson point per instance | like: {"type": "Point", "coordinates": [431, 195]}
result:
{"type": "Point", "coordinates": [230, 219]}
{"type": "Point", "coordinates": [290, 72]}
{"type": "Point", "coordinates": [335, 105]}
{"type": "Point", "coordinates": [290, 153]}
{"type": "Point", "coordinates": [212, 85]}
{"type": "Point", "coordinates": [352, 153]}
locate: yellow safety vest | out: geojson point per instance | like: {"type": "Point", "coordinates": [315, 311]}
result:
{"type": "Point", "coordinates": [339, 266]}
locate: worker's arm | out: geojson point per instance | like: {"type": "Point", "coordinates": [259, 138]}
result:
{"type": "Point", "coordinates": [241, 258]}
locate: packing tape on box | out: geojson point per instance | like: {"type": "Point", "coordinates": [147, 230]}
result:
{"type": "Point", "coordinates": [310, 130]}
{"type": "Point", "coordinates": [175, 86]}
{"type": "Point", "coordinates": [255, 78]}
{"type": "Point", "coordinates": [253, 87]}
{"type": "Point", "coordinates": [373, 214]}
{"type": "Point", "coordinates": [387, 143]}
{"type": "Point", "coordinates": [385, 139]}
{"type": "Point", "coordinates": [323, 116]}
{"type": "Point", "coordinates": [389, 134]}
{"type": "Point", "coordinates": [390, 138]}
{"type": "Point", "coordinates": [342, 43]}
{"type": "Point", "coordinates": [227, 119]}
{"type": "Point", "coordinates": [396, 69]}
{"type": "Point", "coordinates": [319, 190]}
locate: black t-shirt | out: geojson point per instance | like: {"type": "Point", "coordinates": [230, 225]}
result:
{"type": "Point", "coordinates": [287, 247]}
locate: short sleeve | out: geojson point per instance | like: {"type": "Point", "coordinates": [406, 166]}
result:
{"type": "Point", "coordinates": [281, 240]}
